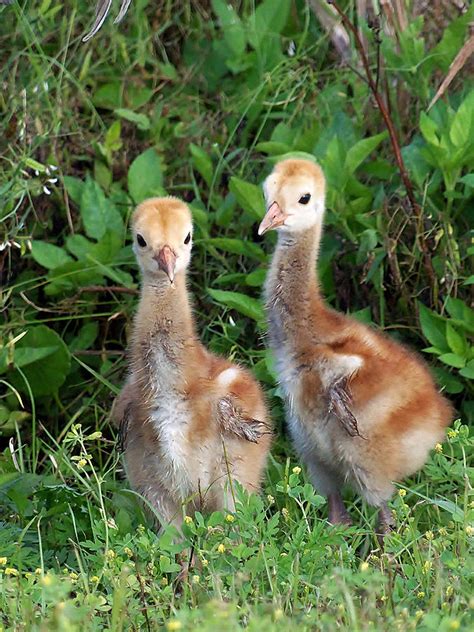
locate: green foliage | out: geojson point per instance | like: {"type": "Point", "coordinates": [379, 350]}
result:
{"type": "Point", "coordinates": [200, 100]}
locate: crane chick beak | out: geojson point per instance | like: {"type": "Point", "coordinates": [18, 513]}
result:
{"type": "Point", "coordinates": [166, 260]}
{"type": "Point", "coordinates": [274, 217]}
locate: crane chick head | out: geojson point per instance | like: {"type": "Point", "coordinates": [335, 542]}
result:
{"type": "Point", "coordinates": [294, 193]}
{"type": "Point", "coordinates": [162, 237]}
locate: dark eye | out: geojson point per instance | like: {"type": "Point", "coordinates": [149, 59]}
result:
{"type": "Point", "coordinates": [304, 199]}
{"type": "Point", "coordinates": [188, 238]}
{"type": "Point", "coordinates": [140, 241]}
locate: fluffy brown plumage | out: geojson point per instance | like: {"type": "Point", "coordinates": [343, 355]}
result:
{"type": "Point", "coordinates": [361, 408]}
{"type": "Point", "coordinates": [191, 422]}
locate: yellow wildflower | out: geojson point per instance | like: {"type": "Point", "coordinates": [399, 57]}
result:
{"type": "Point", "coordinates": [82, 463]}
{"type": "Point", "coordinates": [438, 448]}
{"type": "Point", "coordinates": [469, 530]}
{"type": "Point", "coordinates": [364, 566]}
{"type": "Point", "coordinates": [187, 520]}
{"type": "Point", "coordinates": [296, 470]}
{"type": "Point", "coordinates": [230, 518]}
{"type": "Point", "coordinates": [285, 513]}
{"type": "Point", "coordinates": [12, 571]}
{"type": "Point", "coordinates": [429, 535]}
{"type": "Point", "coordinates": [442, 531]}
{"type": "Point", "coordinates": [173, 625]}
{"type": "Point", "coordinates": [111, 554]}
{"type": "Point", "coordinates": [196, 579]}
{"type": "Point", "coordinates": [47, 580]}
{"type": "Point", "coordinates": [420, 594]}
{"type": "Point", "coordinates": [270, 499]}
{"type": "Point", "coordinates": [419, 614]}
{"type": "Point", "coordinates": [454, 625]}
{"type": "Point", "coordinates": [164, 581]}
{"type": "Point", "coordinates": [94, 579]}
{"type": "Point", "coordinates": [3, 561]}
{"type": "Point", "coordinates": [204, 562]}
{"type": "Point", "coordinates": [427, 566]}
{"type": "Point", "coordinates": [452, 434]}
{"type": "Point", "coordinates": [221, 548]}
{"type": "Point", "coordinates": [449, 591]}
{"type": "Point", "coordinates": [402, 493]}
{"type": "Point", "coordinates": [128, 551]}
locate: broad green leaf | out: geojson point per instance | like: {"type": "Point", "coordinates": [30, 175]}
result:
{"type": "Point", "coordinates": [108, 96]}
{"type": "Point", "coordinates": [468, 179]}
{"type": "Point", "coordinates": [361, 150]}
{"type": "Point", "coordinates": [141, 120]}
{"type": "Point", "coordinates": [244, 304]}
{"type": "Point", "coordinates": [202, 163]}
{"type": "Point", "coordinates": [452, 359]}
{"type": "Point", "coordinates": [461, 313]}
{"type": "Point", "coordinates": [71, 276]}
{"type": "Point", "coordinates": [231, 24]}
{"type": "Point", "coordinates": [468, 370]}
{"type": "Point", "coordinates": [450, 383]}
{"type": "Point", "coordinates": [86, 337]}
{"type": "Point", "coordinates": [429, 129]}
{"type": "Point", "coordinates": [79, 246]}
{"type": "Point", "coordinates": [23, 357]}
{"type": "Point", "coordinates": [270, 17]}
{"type": "Point", "coordinates": [433, 328]}
{"type": "Point", "coordinates": [462, 126]}
{"type": "Point", "coordinates": [74, 188]}
{"type": "Point", "coordinates": [456, 342]}
{"type": "Point", "coordinates": [238, 247]}
{"type": "Point", "coordinates": [256, 278]}
{"type": "Point", "coordinates": [273, 148]}
{"type": "Point", "coordinates": [145, 176]}
{"type": "Point", "coordinates": [46, 374]}
{"type": "Point", "coordinates": [98, 212]}
{"type": "Point", "coordinates": [48, 255]}
{"type": "Point", "coordinates": [249, 196]}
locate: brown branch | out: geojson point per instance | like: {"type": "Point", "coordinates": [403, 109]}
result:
{"type": "Point", "coordinates": [382, 106]}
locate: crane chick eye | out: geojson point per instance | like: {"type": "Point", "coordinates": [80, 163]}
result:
{"type": "Point", "coordinates": [188, 238]}
{"type": "Point", "coordinates": [140, 241]}
{"type": "Point", "coordinates": [304, 199]}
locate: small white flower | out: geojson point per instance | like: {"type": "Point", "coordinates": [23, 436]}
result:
{"type": "Point", "coordinates": [291, 49]}
{"type": "Point", "coordinates": [46, 190]}
{"type": "Point", "coordinates": [53, 167]}
{"type": "Point", "coordinates": [52, 180]}
{"type": "Point", "coordinates": [231, 321]}
{"type": "Point", "coordinates": [37, 172]}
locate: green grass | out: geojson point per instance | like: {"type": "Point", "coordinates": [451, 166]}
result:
{"type": "Point", "coordinates": [176, 100]}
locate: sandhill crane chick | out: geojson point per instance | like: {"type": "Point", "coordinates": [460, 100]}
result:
{"type": "Point", "coordinates": [192, 422]}
{"type": "Point", "coordinates": [361, 408]}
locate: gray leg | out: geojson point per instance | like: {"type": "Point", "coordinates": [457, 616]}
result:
{"type": "Point", "coordinates": [337, 512]}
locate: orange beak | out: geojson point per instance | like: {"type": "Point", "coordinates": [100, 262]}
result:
{"type": "Point", "coordinates": [274, 217]}
{"type": "Point", "coordinates": [166, 260]}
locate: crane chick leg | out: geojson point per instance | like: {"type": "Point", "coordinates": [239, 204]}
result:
{"type": "Point", "coordinates": [338, 514]}
{"type": "Point", "coordinates": [385, 522]}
